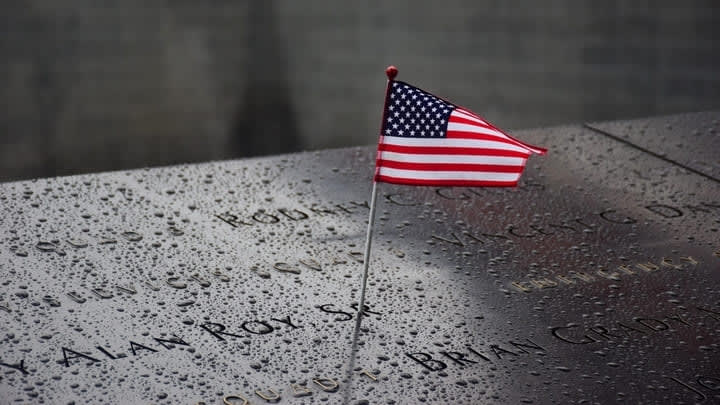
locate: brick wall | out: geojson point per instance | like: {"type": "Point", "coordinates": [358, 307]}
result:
{"type": "Point", "coordinates": [98, 85]}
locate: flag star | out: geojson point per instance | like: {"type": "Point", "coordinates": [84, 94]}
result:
{"type": "Point", "coordinates": [407, 126]}
{"type": "Point", "coordinates": [432, 121]}
{"type": "Point", "coordinates": [388, 131]}
{"type": "Point", "coordinates": [442, 121]}
{"type": "Point", "coordinates": [414, 96]}
{"type": "Point", "coordinates": [402, 120]}
{"type": "Point", "coordinates": [400, 131]}
{"type": "Point", "coordinates": [402, 108]}
{"type": "Point", "coordinates": [392, 107]}
{"type": "Point", "coordinates": [438, 115]}
{"type": "Point", "coordinates": [434, 109]}
{"type": "Point", "coordinates": [396, 113]}
{"type": "Point", "coordinates": [437, 126]}
{"type": "Point", "coordinates": [395, 126]}
{"type": "Point", "coordinates": [412, 133]}
{"type": "Point", "coordinates": [412, 108]}
{"type": "Point", "coordinates": [389, 119]}
{"type": "Point", "coordinates": [402, 96]}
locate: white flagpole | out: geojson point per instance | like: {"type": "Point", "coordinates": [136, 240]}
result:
{"type": "Point", "coordinates": [368, 243]}
{"type": "Point", "coordinates": [391, 72]}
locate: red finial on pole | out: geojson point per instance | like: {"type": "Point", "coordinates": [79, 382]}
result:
{"type": "Point", "coordinates": [391, 72]}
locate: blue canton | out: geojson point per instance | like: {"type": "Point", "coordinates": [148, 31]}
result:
{"type": "Point", "coordinates": [413, 113]}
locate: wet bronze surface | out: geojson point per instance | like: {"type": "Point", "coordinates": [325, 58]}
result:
{"type": "Point", "coordinates": [596, 280]}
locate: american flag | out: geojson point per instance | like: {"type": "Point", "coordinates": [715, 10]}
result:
{"type": "Point", "coordinates": [428, 141]}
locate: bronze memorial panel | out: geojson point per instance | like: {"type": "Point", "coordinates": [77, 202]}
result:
{"type": "Point", "coordinates": [596, 280]}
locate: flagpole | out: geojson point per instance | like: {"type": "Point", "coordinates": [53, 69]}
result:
{"type": "Point", "coordinates": [391, 72]}
{"type": "Point", "coordinates": [368, 243]}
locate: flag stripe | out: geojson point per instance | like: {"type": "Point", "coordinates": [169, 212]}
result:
{"type": "Point", "coordinates": [459, 143]}
{"type": "Point", "coordinates": [467, 129]}
{"type": "Point", "coordinates": [448, 183]}
{"type": "Point", "coordinates": [479, 136]}
{"type": "Point", "coordinates": [455, 117]}
{"type": "Point", "coordinates": [448, 175]}
{"type": "Point", "coordinates": [441, 150]}
{"type": "Point", "coordinates": [450, 167]}
{"type": "Point", "coordinates": [459, 117]}
{"type": "Point", "coordinates": [452, 158]}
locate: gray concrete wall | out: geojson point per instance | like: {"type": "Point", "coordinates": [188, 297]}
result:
{"type": "Point", "coordinates": [98, 85]}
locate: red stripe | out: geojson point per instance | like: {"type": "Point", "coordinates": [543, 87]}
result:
{"type": "Point", "coordinates": [537, 149]}
{"type": "Point", "coordinates": [442, 183]}
{"type": "Point", "coordinates": [452, 134]}
{"type": "Point", "coordinates": [454, 167]}
{"type": "Point", "coordinates": [449, 150]}
{"type": "Point", "coordinates": [461, 120]}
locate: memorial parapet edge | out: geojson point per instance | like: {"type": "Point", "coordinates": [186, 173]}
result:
{"type": "Point", "coordinates": [596, 280]}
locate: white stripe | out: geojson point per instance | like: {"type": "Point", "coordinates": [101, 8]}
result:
{"type": "Point", "coordinates": [446, 175]}
{"type": "Point", "coordinates": [470, 159]}
{"type": "Point", "coordinates": [471, 116]}
{"type": "Point", "coordinates": [456, 143]}
{"type": "Point", "coordinates": [464, 114]}
{"type": "Point", "coordinates": [456, 126]}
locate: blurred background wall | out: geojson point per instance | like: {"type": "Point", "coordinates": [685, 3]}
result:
{"type": "Point", "coordinates": [94, 85]}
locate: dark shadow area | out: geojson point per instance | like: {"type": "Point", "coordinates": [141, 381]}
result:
{"type": "Point", "coordinates": [265, 122]}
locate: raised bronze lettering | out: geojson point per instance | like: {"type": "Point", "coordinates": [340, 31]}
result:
{"type": "Point", "coordinates": [136, 347]}
{"type": "Point", "coordinates": [311, 263]}
{"type": "Point", "coordinates": [273, 396]}
{"type": "Point", "coordinates": [652, 324]}
{"type": "Point", "coordinates": [345, 316]}
{"type": "Point", "coordinates": [228, 398]}
{"type": "Point", "coordinates": [295, 215]}
{"type": "Point", "coordinates": [286, 268]}
{"type": "Point", "coordinates": [175, 282]}
{"type": "Point", "coordinates": [522, 286]}
{"type": "Point", "coordinates": [102, 293]}
{"type": "Point", "coordinates": [426, 360]}
{"type": "Point", "coordinates": [232, 219]}
{"type": "Point", "coordinates": [19, 366]}
{"type": "Point", "coordinates": [216, 329]}
{"type": "Point", "coordinates": [171, 342]}
{"type": "Point", "coordinates": [454, 241]}
{"type": "Point", "coordinates": [75, 297]}
{"type": "Point", "coordinates": [458, 358]}
{"type": "Point", "coordinates": [264, 329]}
{"type": "Point", "coordinates": [369, 374]}
{"type": "Point", "coordinates": [327, 384]}
{"type": "Point", "coordinates": [498, 350]}
{"type": "Point", "coordinates": [286, 321]}
{"type": "Point", "coordinates": [585, 340]}
{"type": "Point", "coordinates": [300, 390]}
{"type": "Point", "coordinates": [265, 218]}
{"type": "Point", "coordinates": [75, 355]}
{"type": "Point", "coordinates": [608, 216]}
{"type": "Point", "coordinates": [529, 345]}
{"type": "Point", "coordinates": [664, 211]}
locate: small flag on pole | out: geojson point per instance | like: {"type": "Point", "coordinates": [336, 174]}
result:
{"type": "Point", "coordinates": [428, 141]}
